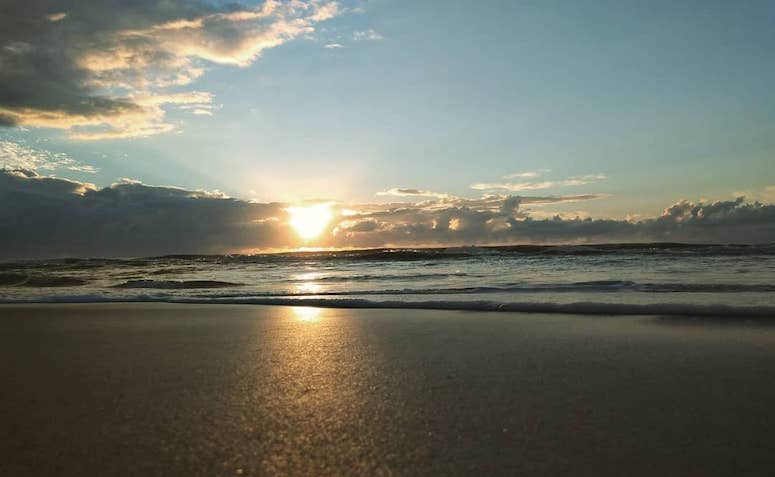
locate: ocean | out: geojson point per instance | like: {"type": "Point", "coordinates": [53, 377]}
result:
{"type": "Point", "coordinates": [673, 279]}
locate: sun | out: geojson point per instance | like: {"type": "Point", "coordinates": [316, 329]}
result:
{"type": "Point", "coordinates": [310, 221]}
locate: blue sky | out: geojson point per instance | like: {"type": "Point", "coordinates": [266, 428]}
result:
{"type": "Point", "coordinates": [667, 100]}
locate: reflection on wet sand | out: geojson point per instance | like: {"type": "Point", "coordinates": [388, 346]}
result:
{"type": "Point", "coordinates": [250, 390]}
{"type": "Point", "coordinates": [307, 405]}
{"type": "Point", "coordinates": [307, 313]}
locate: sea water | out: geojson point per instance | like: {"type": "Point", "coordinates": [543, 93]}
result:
{"type": "Point", "coordinates": [723, 280]}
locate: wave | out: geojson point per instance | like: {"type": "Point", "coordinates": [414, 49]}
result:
{"type": "Point", "coordinates": [705, 287]}
{"type": "Point", "coordinates": [624, 285]}
{"type": "Point", "coordinates": [12, 279]}
{"type": "Point", "coordinates": [472, 251]}
{"type": "Point", "coordinates": [43, 281]}
{"type": "Point", "coordinates": [172, 271]}
{"type": "Point", "coordinates": [176, 285]}
{"type": "Point", "coordinates": [381, 277]}
{"type": "Point", "coordinates": [610, 286]}
{"type": "Point", "coordinates": [409, 254]}
{"type": "Point", "coordinates": [75, 264]}
{"type": "Point", "coordinates": [600, 286]}
{"type": "Point", "coordinates": [578, 308]}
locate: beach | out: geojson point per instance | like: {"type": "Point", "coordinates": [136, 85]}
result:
{"type": "Point", "coordinates": [172, 389]}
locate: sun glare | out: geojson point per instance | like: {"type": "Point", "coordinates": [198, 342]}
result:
{"type": "Point", "coordinates": [306, 313]}
{"type": "Point", "coordinates": [310, 221]}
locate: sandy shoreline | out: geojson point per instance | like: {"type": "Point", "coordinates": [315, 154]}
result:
{"type": "Point", "coordinates": [163, 389]}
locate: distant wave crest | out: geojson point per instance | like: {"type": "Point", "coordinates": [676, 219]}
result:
{"type": "Point", "coordinates": [410, 254]}
{"type": "Point", "coordinates": [446, 253]}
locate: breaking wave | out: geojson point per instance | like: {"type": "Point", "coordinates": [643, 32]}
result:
{"type": "Point", "coordinates": [176, 285]}
{"type": "Point", "coordinates": [37, 280]}
{"type": "Point", "coordinates": [446, 253]}
{"type": "Point", "coordinates": [380, 277]}
{"type": "Point", "coordinates": [578, 308]}
{"type": "Point", "coordinates": [607, 286]}
{"type": "Point", "coordinates": [727, 280]}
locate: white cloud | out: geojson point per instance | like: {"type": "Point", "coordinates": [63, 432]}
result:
{"type": "Point", "coordinates": [527, 174]}
{"type": "Point", "coordinates": [528, 186]}
{"type": "Point", "coordinates": [56, 17]}
{"type": "Point", "coordinates": [406, 192]}
{"type": "Point", "coordinates": [14, 155]}
{"type": "Point", "coordinates": [367, 35]}
{"type": "Point", "coordinates": [766, 195]}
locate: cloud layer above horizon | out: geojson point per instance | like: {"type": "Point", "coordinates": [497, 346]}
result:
{"type": "Point", "coordinates": [51, 217]}
{"type": "Point", "coordinates": [111, 69]}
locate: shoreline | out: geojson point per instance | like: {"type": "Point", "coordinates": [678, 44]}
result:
{"type": "Point", "coordinates": [718, 311]}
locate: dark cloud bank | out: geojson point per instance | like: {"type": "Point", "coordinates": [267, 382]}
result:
{"type": "Point", "coordinates": [50, 217]}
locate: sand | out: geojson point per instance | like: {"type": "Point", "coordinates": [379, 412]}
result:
{"type": "Point", "coordinates": [162, 389]}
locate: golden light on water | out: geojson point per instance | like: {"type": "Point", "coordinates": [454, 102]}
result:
{"type": "Point", "coordinates": [309, 288]}
{"type": "Point", "coordinates": [310, 221]}
{"type": "Point", "coordinates": [306, 313]}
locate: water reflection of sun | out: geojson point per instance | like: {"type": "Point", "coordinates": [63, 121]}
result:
{"type": "Point", "coordinates": [306, 313]}
{"type": "Point", "coordinates": [308, 276]}
{"type": "Point", "coordinates": [309, 288]}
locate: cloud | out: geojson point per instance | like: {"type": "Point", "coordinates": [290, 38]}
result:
{"type": "Point", "coordinates": [57, 217]}
{"type": "Point", "coordinates": [56, 17]}
{"type": "Point", "coordinates": [405, 192]}
{"type": "Point", "coordinates": [523, 186]}
{"type": "Point", "coordinates": [50, 217]}
{"type": "Point", "coordinates": [766, 195]}
{"type": "Point", "coordinates": [367, 35]}
{"type": "Point", "coordinates": [503, 220]}
{"type": "Point", "coordinates": [527, 174]}
{"type": "Point", "coordinates": [333, 45]}
{"type": "Point", "coordinates": [14, 155]}
{"type": "Point", "coordinates": [99, 69]}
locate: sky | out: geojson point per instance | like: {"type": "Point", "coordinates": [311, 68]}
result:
{"type": "Point", "coordinates": [414, 123]}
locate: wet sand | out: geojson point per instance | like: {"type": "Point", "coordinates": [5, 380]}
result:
{"type": "Point", "coordinates": [163, 389]}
